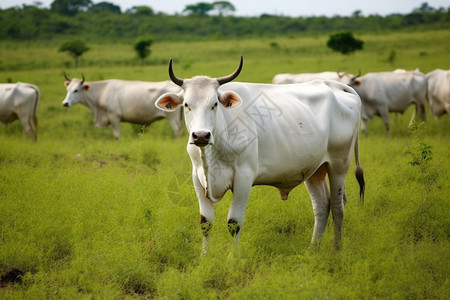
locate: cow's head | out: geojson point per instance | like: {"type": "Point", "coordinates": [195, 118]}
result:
{"type": "Point", "coordinates": [75, 89]}
{"type": "Point", "coordinates": [345, 77]}
{"type": "Point", "coordinates": [354, 81]}
{"type": "Point", "coordinates": [202, 102]}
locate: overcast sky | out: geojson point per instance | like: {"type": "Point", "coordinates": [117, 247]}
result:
{"type": "Point", "coordinates": [292, 8]}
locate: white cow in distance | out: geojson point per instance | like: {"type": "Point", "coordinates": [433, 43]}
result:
{"type": "Point", "coordinates": [246, 134]}
{"type": "Point", "coordinates": [439, 92]}
{"type": "Point", "coordinates": [114, 101]}
{"type": "Point", "coordinates": [287, 78]}
{"type": "Point", "coordinates": [20, 101]}
{"type": "Point", "coordinates": [385, 92]}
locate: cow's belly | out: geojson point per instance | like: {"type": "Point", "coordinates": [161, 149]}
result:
{"type": "Point", "coordinates": [141, 120]}
{"type": "Point", "coordinates": [289, 173]}
{"type": "Point", "coordinates": [288, 159]}
{"type": "Point", "coordinates": [7, 117]}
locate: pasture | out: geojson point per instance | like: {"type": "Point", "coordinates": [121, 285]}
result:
{"type": "Point", "coordinates": [84, 216]}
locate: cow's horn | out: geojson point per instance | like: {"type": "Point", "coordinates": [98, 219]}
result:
{"type": "Point", "coordinates": [175, 79]}
{"type": "Point", "coordinates": [232, 76]}
{"type": "Point", "coordinates": [340, 74]}
{"type": "Point", "coordinates": [82, 78]}
{"type": "Point", "coordinates": [356, 76]}
{"type": "Point", "coordinates": [67, 78]}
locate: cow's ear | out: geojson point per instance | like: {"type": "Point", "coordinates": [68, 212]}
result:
{"type": "Point", "coordinates": [230, 99]}
{"type": "Point", "coordinates": [87, 87]}
{"type": "Point", "coordinates": [358, 83]}
{"type": "Point", "coordinates": [168, 101]}
{"type": "Point", "coordinates": [66, 83]}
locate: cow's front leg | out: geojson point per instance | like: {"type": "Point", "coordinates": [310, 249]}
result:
{"type": "Point", "coordinates": [176, 125]}
{"type": "Point", "coordinates": [206, 212]}
{"type": "Point", "coordinates": [115, 122]}
{"type": "Point", "coordinates": [241, 192]}
{"type": "Point", "coordinates": [364, 126]}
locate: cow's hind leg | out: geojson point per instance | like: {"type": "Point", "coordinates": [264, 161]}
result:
{"type": "Point", "coordinates": [320, 198]}
{"type": "Point", "coordinates": [29, 126]}
{"type": "Point", "coordinates": [384, 113]}
{"type": "Point", "coordinates": [337, 202]}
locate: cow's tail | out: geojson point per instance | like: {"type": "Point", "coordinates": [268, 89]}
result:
{"type": "Point", "coordinates": [359, 174]}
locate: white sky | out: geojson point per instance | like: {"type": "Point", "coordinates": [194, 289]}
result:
{"type": "Point", "coordinates": [294, 8]}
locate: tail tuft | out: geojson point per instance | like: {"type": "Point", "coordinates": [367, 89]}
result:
{"type": "Point", "coordinates": [359, 174]}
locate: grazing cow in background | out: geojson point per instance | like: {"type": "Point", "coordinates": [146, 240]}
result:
{"type": "Point", "coordinates": [287, 78]}
{"type": "Point", "coordinates": [245, 134]}
{"type": "Point", "coordinates": [114, 101]}
{"type": "Point", "coordinates": [385, 92]}
{"type": "Point", "coordinates": [403, 71]}
{"type": "Point", "coordinates": [439, 92]}
{"type": "Point", "coordinates": [20, 101]}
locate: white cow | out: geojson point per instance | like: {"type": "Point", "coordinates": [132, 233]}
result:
{"type": "Point", "coordinates": [286, 78]}
{"type": "Point", "coordinates": [385, 92]}
{"type": "Point", "coordinates": [114, 101]}
{"type": "Point", "coordinates": [439, 92]}
{"type": "Point", "coordinates": [245, 134]}
{"type": "Point", "coordinates": [20, 101]}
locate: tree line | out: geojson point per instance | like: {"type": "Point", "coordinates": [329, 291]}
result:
{"type": "Point", "coordinates": [105, 21]}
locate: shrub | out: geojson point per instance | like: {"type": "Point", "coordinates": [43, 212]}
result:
{"type": "Point", "coordinates": [344, 42]}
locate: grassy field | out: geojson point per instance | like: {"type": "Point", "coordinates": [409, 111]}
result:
{"type": "Point", "coordinates": [86, 217]}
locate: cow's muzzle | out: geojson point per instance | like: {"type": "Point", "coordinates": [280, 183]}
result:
{"type": "Point", "coordinates": [66, 104]}
{"type": "Point", "coordinates": [201, 138]}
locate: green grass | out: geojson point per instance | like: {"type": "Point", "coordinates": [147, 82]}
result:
{"type": "Point", "coordinates": [85, 216]}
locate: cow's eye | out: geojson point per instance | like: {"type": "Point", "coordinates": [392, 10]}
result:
{"type": "Point", "coordinates": [186, 106]}
{"type": "Point", "coordinates": [215, 105]}
{"type": "Point", "coordinates": [75, 91]}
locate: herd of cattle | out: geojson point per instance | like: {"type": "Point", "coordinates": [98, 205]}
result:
{"type": "Point", "coordinates": [301, 128]}
{"type": "Point", "coordinates": [114, 101]}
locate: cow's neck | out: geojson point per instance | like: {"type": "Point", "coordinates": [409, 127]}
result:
{"type": "Point", "coordinates": [92, 97]}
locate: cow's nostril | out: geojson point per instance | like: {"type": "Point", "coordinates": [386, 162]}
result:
{"type": "Point", "coordinates": [201, 138]}
{"type": "Point", "coordinates": [66, 104]}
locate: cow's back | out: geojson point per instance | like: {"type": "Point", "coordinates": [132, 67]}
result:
{"type": "Point", "coordinates": [394, 90]}
{"type": "Point", "coordinates": [296, 121]}
{"type": "Point", "coordinates": [134, 101]}
{"type": "Point", "coordinates": [18, 97]}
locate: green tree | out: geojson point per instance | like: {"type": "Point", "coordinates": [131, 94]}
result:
{"type": "Point", "coordinates": [141, 11]}
{"type": "Point", "coordinates": [199, 9]}
{"type": "Point", "coordinates": [142, 47]}
{"type": "Point", "coordinates": [105, 7]}
{"type": "Point", "coordinates": [75, 48]}
{"type": "Point", "coordinates": [344, 42]}
{"type": "Point", "coordinates": [223, 7]}
{"type": "Point", "coordinates": [70, 7]}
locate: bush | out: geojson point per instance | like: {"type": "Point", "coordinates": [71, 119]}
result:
{"type": "Point", "coordinates": [142, 47]}
{"type": "Point", "coordinates": [344, 42]}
